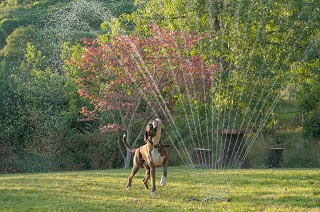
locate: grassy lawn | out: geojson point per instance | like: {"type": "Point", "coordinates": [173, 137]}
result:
{"type": "Point", "coordinates": [249, 190]}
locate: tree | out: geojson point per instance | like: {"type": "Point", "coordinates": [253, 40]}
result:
{"type": "Point", "coordinates": [133, 78]}
{"type": "Point", "coordinates": [254, 44]}
{"type": "Point", "coordinates": [13, 121]}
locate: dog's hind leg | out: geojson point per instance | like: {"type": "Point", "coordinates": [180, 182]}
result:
{"type": "Point", "coordinates": [153, 178]}
{"type": "Point", "coordinates": [133, 172]}
{"type": "Point", "coordinates": [163, 180]}
{"type": "Point", "coordinates": [135, 168]}
{"type": "Point", "coordinates": [147, 176]}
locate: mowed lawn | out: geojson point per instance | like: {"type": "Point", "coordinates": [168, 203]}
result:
{"type": "Point", "coordinates": [105, 190]}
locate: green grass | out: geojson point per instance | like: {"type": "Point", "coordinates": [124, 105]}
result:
{"type": "Point", "coordinates": [249, 190]}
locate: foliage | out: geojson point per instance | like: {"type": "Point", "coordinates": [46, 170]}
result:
{"type": "Point", "coordinates": [312, 123]}
{"type": "Point", "coordinates": [253, 44]}
{"type": "Point", "coordinates": [259, 48]}
{"type": "Point", "coordinates": [3, 35]}
{"type": "Point", "coordinates": [301, 152]}
{"type": "Point", "coordinates": [177, 14]}
{"type": "Point", "coordinates": [16, 43]}
{"type": "Point", "coordinates": [8, 25]}
{"type": "Point", "coordinates": [130, 67]}
{"type": "Point", "coordinates": [16, 3]}
{"type": "Point", "coordinates": [40, 117]}
{"type": "Point", "coordinates": [122, 73]}
{"type": "Point", "coordinates": [13, 121]}
{"type": "Point", "coordinates": [309, 103]}
{"type": "Point", "coordinates": [52, 106]}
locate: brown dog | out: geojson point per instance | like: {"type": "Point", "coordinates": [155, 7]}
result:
{"type": "Point", "coordinates": [150, 155]}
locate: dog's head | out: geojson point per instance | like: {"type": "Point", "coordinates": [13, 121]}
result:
{"type": "Point", "coordinates": [152, 128]}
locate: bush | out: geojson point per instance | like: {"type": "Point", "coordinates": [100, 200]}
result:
{"type": "Point", "coordinates": [3, 35]}
{"type": "Point", "coordinates": [8, 25]}
{"type": "Point", "coordinates": [302, 154]}
{"type": "Point", "coordinates": [92, 151]}
{"type": "Point", "coordinates": [312, 124]}
{"type": "Point", "coordinates": [309, 103]}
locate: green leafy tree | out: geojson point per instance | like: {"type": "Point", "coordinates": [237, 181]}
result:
{"type": "Point", "coordinates": [13, 121]}
{"type": "Point", "coordinates": [254, 44]}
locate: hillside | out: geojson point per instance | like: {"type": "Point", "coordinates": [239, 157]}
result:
{"type": "Point", "coordinates": [15, 14]}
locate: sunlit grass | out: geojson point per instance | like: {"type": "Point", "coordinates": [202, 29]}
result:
{"type": "Point", "coordinates": [249, 190]}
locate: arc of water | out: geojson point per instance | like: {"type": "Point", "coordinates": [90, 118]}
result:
{"type": "Point", "coordinates": [272, 106]}
{"type": "Point", "coordinates": [260, 127]}
{"type": "Point", "coordinates": [184, 107]}
{"type": "Point", "coordinates": [242, 92]}
{"type": "Point", "coordinates": [268, 113]}
{"type": "Point", "coordinates": [164, 112]}
{"type": "Point", "coordinates": [253, 114]}
{"type": "Point", "coordinates": [216, 111]}
{"type": "Point", "coordinates": [199, 135]}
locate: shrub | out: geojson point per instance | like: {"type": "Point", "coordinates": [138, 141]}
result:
{"type": "Point", "coordinates": [309, 103]}
{"type": "Point", "coordinates": [3, 35]}
{"type": "Point", "coordinates": [312, 124]}
{"type": "Point", "coordinates": [302, 154]}
{"type": "Point", "coordinates": [8, 25]}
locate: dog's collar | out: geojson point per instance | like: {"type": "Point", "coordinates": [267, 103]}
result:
{"type": "Point", "coordinates": [159, 145]}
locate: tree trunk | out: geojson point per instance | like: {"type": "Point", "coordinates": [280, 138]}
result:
{"type": "Point", "coordinates": [127, 159]}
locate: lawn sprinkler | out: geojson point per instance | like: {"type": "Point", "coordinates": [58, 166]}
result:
{"type": "Point", "coordinates": [209, 198]}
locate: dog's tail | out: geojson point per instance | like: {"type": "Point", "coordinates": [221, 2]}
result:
{"type": "Point", "coordinates": [126, 145]}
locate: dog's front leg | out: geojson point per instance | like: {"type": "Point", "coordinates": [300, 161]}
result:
{"type": "Point", "coordinates": [147, 176]}
{"type": "Point", "coordinates": [153, 178]}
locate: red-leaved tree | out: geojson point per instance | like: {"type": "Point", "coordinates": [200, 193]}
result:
{"type": "Point", "coordinates": [137, 77]}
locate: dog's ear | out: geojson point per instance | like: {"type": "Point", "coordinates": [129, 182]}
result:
{"type": "Point", "coordinates": [145, 137]}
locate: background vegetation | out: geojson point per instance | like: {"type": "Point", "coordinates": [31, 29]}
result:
{"type": "Point", "coordinates": [42, 129]}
